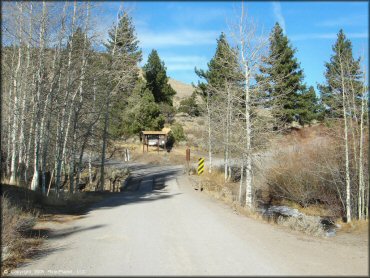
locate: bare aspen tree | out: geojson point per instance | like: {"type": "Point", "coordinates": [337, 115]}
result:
{"type": "Point", "coordinates": [24, 108]}
{"type": "Point", "coordinates": [208, 105]}
{"type": "Point", "coordinates": [10, 100]}
{"type": "Point", "coordinates": [363, 203]}
{"type": "Point", "coordinates": [346, 143]}
{"type": "Point", "coordinates": [250, 48]}
{"type": "Point", "coordinates": [65, 122]}
{"type": "Point", "coordinates": [40, 85]}
{"type": "Point", "coordinates": [16, 93]}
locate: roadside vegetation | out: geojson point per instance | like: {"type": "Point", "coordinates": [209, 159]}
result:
{"type": "Point", "coordinates": [257, 106]}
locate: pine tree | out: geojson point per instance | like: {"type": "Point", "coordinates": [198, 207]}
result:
{"type": "Point", "coordinates": [143, 112]}
{"type": "Point", "coordinates": [124, 53]}
{"type": "Point", "coordinates": [157, 80]}
{"type": "Point", "coordinates": [331, 91]}
{"type": "Point", "coordinates": [222, 91]}
{"type": "Point", "coordinates": [222, 68]}
{"type": "Point", "coordinates": [281, 76]}
{"type": "Point", "coordinates": [123, 56]}
{"type": "Point", "coordinates": [308, 106]}
{"type": "Point", "coordinates": [190, 106]}
{"type": "Point", "coordinates": [125, 42]}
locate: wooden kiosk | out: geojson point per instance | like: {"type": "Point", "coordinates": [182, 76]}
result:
{"type": "Point", "coordinates": [154, 138]}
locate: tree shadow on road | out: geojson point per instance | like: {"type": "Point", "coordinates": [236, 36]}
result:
{"type": "Point", "coordinates": [132, 193]}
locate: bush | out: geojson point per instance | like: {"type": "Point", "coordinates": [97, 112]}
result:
{"type": "Point", "coordinates": [178, 132]}
{"type": "Point", "coordinates": [15, 222]}
{"type": "Point", "coordinates": [190, 106]}
{"type": "Point", "coordinates": [309, 174]}
{"type": "Point", "coordinates": [307, 224]}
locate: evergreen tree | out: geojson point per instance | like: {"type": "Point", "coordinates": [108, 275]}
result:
{"type": "Point", "coordinates": [140, 113]}
{"type": "Point", "coordinates": [190, 106]}
{"type": "Point", "coordinates": [222, 92]}
{"type": "Point", "coordinates": [308, 106]}
{"type": "Point", "coordinates": [223, 68]}
{"type": "Point", "coordinates": [123, 56]}
{"type": "Point", "coordinates": [281, 77]}
{"type": "Point", "coordinates": [157, 80]}
{"type": "Point", "coordinates": [126, 42]}
{"type": "Point", "coordinates": [145, 113]}
{"type": "Point", "coordinates": [331, 91]}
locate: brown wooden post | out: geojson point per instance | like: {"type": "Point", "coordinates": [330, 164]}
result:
{"type": "Point", "coordinates": [142, 138]}
{"type": "Point", "coordinates": [188, 160]}
{"type": "Point", "coordinates": [158, 144]}
{"type": "Point", "coordinates": [147, 143]}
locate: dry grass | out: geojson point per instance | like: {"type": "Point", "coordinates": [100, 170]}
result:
{"type": "Point", "coordinates": [22, 209]}
{"type": "Point", "coordinates": [356, 226]}
{"type": "Point", "coordinates": [312, 210]}
{"type": "Point", "coordinates": [308, 173]}
{"type": "Point", "coordinates": [307, 224]}
{"type": "Point", "coordinates": [15, 224]}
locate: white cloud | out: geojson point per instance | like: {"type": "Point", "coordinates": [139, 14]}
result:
{"type": "Point", "coordinates": [184, 62]}
{"type": "Point", "coordinates": [279, 15]}
{"type": "Point", "coordinates": [177, 38]}
{"type": "Point", "coordinates": [316, 36]}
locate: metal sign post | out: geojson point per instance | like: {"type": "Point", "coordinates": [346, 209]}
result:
{"type": "Point", "coordinates": [200, 166]}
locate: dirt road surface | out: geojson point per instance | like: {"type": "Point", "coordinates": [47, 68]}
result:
{"type": "Point", "coordinates": [160, 225]}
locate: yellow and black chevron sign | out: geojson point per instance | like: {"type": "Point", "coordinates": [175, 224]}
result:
{"type": "Point", "coordinates": [200, 166]}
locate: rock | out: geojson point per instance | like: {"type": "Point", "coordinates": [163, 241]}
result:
{"type": "Point", "coordinates": [284, 211]}
{"type": "Point", "coordinates": [331, 233]}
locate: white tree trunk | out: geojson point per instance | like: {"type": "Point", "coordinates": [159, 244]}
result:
{"type": "Point", "coordinates": [346, 148]}
{"type": "Point", "coordinates": [16, 92]}
{"type": "Point", "coordinates": [248, 128]}
{"type": "Point", "coordinates": [361, 198]}
{"type": "Point", "coordinates": [35, 178]}
{"type": "Point", "coordinates": [227, 133]}
{"type": "Point", "coordinates": [209, 133]}
{"type": "Point", "coordinates": [22, 145]}
{"type": "Point", "coordinates": [64, 130]}
{"type": "Point", "coordinates": [241, 182]}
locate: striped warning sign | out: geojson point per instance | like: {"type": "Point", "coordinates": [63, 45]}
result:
{"type": "Point", "coordinates": [200, 166]}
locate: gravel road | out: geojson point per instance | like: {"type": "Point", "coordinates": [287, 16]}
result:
{"type": "Point", "coordinates": [160, 225]}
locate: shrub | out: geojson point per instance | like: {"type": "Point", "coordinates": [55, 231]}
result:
{"type": "Point", "coordinates": [307, 224]}
{"type": "Point", "coordinates": [178, 132]}
{"type": "Point", "coordinates": [309, 174]}
{"type": "Point", "coordinates": [15, 222]}
{"type": "Point", "coordinates": [190, 106]}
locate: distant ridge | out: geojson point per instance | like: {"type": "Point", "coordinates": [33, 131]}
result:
{"type": "Point", "coordinates": [183, 90]}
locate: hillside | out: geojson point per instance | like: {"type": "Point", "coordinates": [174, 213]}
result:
{"type": "Point", "coordinates": [183, 90]}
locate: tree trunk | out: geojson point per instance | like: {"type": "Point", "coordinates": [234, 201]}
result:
{"type": "Point", "coordinates": [227, 172]}
{"type": "Point", "coordinates": [241, 182]}
{"type": "Point", "coordinates": [106, 116]}
{"type": "Point", "coordinates": [346, 149]}
{"type": "Point", "coordinates": [16, 92]}
{"type": "Point", "coordinates": [209, 133]}
{"type": "Point", "coordinates": [35, 178]}
{"type": "Point", "coordinates": [361, 199]}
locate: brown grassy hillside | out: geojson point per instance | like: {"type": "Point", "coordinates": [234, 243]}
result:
{"type": "Point", "coordinates": [182, 90]}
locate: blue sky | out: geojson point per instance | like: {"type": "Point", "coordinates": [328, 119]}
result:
{"type": "Point", "coordinates": [184, 33]}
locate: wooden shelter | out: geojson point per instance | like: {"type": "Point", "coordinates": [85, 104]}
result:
{"type": "Point", "coordinates": [154, 138]}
